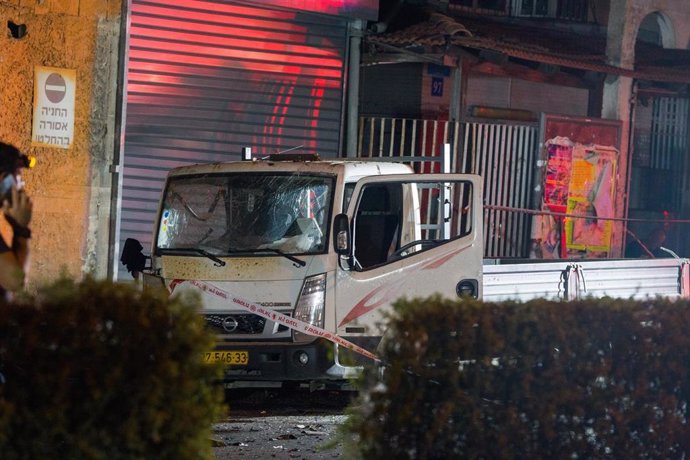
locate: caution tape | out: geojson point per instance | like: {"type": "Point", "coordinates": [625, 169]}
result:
{"type": "Point", "coordinates": [494, 207]}
{"type": "Point", "coordinates": [272, 315]}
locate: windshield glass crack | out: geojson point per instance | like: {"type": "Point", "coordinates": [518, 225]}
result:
{"type": "Point", "coordinates": [232, 213]}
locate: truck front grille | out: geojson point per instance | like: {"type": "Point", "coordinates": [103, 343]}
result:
{"type": "Point", "coordinates": [247, 325]}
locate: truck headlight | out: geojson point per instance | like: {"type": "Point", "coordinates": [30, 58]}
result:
{"type": "Point", "coordinates": [311, 304]}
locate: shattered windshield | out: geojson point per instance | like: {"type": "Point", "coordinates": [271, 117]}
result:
{"type": "Point", "coordinates": [246, 213]}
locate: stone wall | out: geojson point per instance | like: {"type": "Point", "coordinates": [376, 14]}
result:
{"type": "Point", "coordinates": [70, 187]}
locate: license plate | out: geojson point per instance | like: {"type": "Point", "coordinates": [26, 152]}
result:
{"type": "Point", "coordinates": [227, 357]}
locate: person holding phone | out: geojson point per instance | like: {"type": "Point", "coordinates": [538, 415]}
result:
{"type": "Point", "coordinates": [16, 209]}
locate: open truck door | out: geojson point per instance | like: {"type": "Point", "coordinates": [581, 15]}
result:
{"type": "Point", "coordinates": [409, 236]}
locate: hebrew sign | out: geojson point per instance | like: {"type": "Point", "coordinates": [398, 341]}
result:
{"type": "Point", "coordinates": [54, 95]}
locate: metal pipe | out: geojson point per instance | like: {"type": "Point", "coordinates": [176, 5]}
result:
{"type": "Point", "coordinates": [353, 88]}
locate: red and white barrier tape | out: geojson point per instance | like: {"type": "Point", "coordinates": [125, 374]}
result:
{"type": "Point", "coordinates": [494, 207]}
{"type": "Point", "coordinates": [280, 318]}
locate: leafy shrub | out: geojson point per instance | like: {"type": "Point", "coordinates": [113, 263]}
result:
{"type": "Point", "coordinates": [539, 380]}
{"type": "Point", "coordinates": [97, 370]}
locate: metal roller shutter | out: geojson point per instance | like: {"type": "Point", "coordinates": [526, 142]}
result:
{"type": "Point", "coordinates": [206, 78]}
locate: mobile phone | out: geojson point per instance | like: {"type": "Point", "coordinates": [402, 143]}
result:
{"type": "Point", "coordinates": [6, 188]}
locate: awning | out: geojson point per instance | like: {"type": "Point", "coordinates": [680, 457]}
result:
{"type": "Point", "coordinates": [442, 34]}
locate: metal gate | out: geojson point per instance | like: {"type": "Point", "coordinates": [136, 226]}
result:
{"type": "Point", "coordinates": [394, 137]}
{"type": "Point", "coordinates": [504, 155]}
{"type": "Point", "coordinates": [668, 145]}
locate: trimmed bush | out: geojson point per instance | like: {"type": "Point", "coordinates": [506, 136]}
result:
{"type": "Point", "coordinates": [539, 380]}
{"type": "Point", "coordinates": [97, 370]}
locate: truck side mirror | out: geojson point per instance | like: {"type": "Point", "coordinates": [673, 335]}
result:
{"type": "Point", "coordinates": [341, 232]}
{"type": "Point", "coordinates": [133, 258]}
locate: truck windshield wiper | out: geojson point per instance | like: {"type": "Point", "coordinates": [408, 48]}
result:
{"type": "Point", "coordinates": [293, 259]}
{"type": "Point", "coordinates": [218, 262]}
{"type": "Point", "coordinates": [298, 262]}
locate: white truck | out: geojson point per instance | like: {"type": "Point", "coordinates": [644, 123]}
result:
{"type": "Point", "coordinates": [297, 258]}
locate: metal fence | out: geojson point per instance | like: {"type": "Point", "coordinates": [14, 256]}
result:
{"type": "Point", "coordinates": [504, 155]}
{"type": "Point", "coordinates": [668, 144]}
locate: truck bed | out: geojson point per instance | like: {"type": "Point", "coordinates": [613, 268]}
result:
{"type": "Point", "coordinates": [571, 279]}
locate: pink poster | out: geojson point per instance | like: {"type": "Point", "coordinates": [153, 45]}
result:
{"type": "Point", "coordinates": [558, 170]}
{"type": "Point", "coordinates": [591, 194]}
{"type": "Point", "coordinates": [579, 180]}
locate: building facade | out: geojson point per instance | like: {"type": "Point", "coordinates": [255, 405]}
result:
{"type": "Point", "coordinates": [161, 84]}
{"type": "Point", "coordinates": [494, 66]}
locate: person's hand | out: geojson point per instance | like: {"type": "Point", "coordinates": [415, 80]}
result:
{"type": "Point", "coordinates": [21, 208]}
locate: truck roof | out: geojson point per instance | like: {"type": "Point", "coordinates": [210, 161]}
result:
{"type": "Point", "coordinates": [352, 170]}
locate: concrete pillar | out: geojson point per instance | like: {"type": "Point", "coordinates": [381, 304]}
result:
{"type": "Point", "coordinates": [617, 95]}
{"type": "Point", "coordinates": [455, 106]}
{"type": "Point", "coordinates": [97, 258]}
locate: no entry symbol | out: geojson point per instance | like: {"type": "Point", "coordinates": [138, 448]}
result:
{"type": "Point", "coordinates": [55, 88]}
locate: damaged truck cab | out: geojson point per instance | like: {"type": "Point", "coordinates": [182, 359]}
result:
{"type": "Point", "coordinates": [329, 244]}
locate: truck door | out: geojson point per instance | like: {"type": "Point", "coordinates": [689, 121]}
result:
{"type": "Point", "coordinates": [412, 236]}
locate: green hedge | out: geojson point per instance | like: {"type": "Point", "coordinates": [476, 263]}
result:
{"type": "Point", "coordinates": [540, 380]}
{"type": "Point", "coordinates": [97, 370]}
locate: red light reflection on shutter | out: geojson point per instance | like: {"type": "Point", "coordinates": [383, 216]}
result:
{"type": "Point", "coordinates": [175, 51]}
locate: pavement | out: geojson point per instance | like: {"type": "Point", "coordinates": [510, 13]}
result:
{"type": "Point", "coordinates": [281, 424]}
{"type": "Point", "coordinates": [279, 437]}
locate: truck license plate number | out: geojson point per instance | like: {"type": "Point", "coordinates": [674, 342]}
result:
{"type": "Point", "coordinates": [227, 357]}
